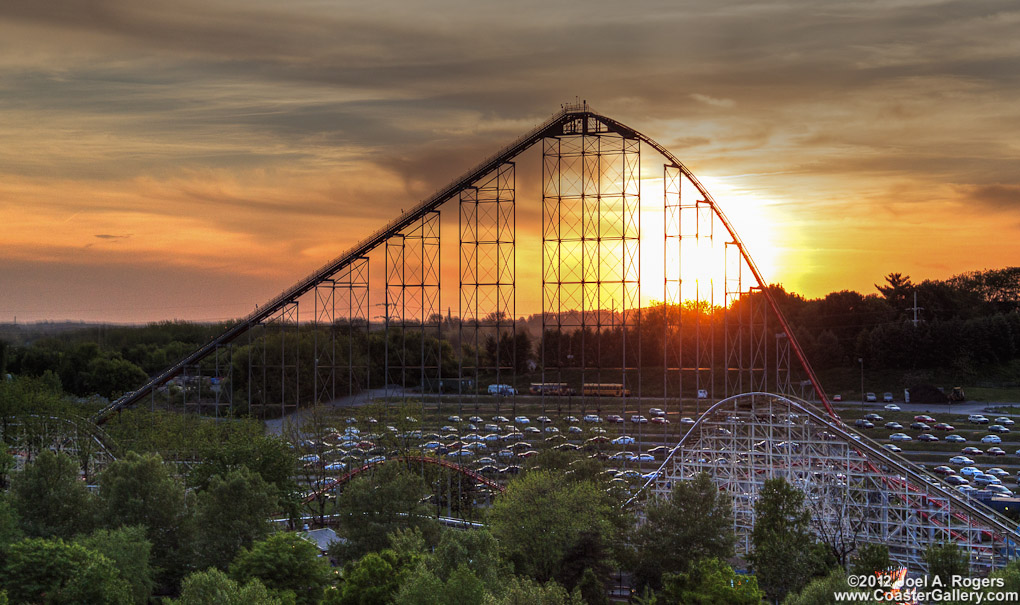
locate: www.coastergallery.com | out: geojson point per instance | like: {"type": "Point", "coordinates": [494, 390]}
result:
{"type": "Point", "coordinates": [934, 595]}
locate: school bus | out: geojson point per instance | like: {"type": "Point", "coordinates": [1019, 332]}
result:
{"type": "Point", "coordinates": [605, 389]}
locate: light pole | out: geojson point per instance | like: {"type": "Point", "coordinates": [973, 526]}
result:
{"type": "Point", "coordinates": [861, 361]}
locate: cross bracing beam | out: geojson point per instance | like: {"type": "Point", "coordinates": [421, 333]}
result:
{"type": "Point", "coordinates": [856, 490]}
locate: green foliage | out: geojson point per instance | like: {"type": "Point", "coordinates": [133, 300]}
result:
{"type": "Point", "coordinates": [784, 557]}
{"type": "Point", "coordinates": [284, 562]}
{"type": "Point", "coordinates": [420, 587]}
{"type": "Point", "coordinates": [541, 519]}
{"type": "Point", "coordinates": [141, 490]}
{"type": "Point", "coordinates": [214, 586]}
{"type": "Point", "coordinates": [50, 498]}
{"type": "Point", "coordinates": [591, 589]}
{"type": "Point", "coordinates": [129, 551]}
{"type": "Point", "coordinates": [371, 580]}
{"type": "Point", "coordinates": [232, 512]}
{"type": "Point", "coordinates": [53, 571]}
{"type": "Point", "coordinates": [477, 549]}
{"type": "Point", "coordinates": [111, 376]}
{"type": "Point", "coordinates": [694, 523]}
{"type": "Point", "coordinates": [371, 507]}
{"type": "Point", "coordinates": [10, 523]}
{"type": "Point", "coordinates": [710, 582]}
{"type": "Point", "coordinates": [268, 456]}
{"type": "Point", "coordinates": [870, 558]}
{"type": "Point", "coordinates": [822, 591]}
{"type": "Point", "coordinates": [946, 560]}
{"type": "Point", "coordinates": [525, 591]}
{"type": "Point", "coordinates": [1010, 576]}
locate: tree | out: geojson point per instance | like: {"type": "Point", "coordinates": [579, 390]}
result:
{"type": "Point", "coordinates": [542, 517]}
{"type": "Point", "coordinates": [284, 562]}
{"type": "Point", "coordinates": [420, 587]}
{"type": "Point", "coordinates": [214, 586]}
{"type": "Point", "coordinates": [946, 560]}
{"type": "Point", "coordinates": [477, 549]}
{"type": "Point", "coordinates": [111, 376]}
{"type": "Point", "coordinates": [708, 582]}
{"type": "Point", "coordinates": [869, 559]}
{"type": "Point", "coordinates": [232, 513]}
{"type": "Point", "coordinates": [54, 571]}
{"type": "Point", "coordinates": [371, 507]}
{"type": "Point", "coordinates": [51, 500]}
{"type": "Point", "coordinates": [694, 523]}
{"type": "Point", "coordinates": [10, 523]}
{"type": "Point", "coordinates": [525, 591]}
{"type": "Point", "coordinates": [371, 580]}
{"type": "Point", "coordinates": [591, 589]}
{"type": "Point", "coordinates": [129, 551]}
{"type": "Point", "coordinates": [140, 490]}
{"type": "Point", "coordinates": [822, 591]}
{"type": "Point", "coordinates": [784, 548]}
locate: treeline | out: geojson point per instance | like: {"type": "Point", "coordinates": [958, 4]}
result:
{"type": "Point", "coordinates": [963, 324]}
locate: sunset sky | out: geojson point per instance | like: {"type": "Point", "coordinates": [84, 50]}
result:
{"type": "Point", "coordinates": [187, 160]}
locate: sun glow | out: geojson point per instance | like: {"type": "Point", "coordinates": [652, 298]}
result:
{"type": "Point", "coordinates": [704, 264]}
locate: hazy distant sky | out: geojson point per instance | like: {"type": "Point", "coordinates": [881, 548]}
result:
{"type": "Point", "coordinates": [182, 159]}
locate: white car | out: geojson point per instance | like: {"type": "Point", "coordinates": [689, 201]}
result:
{"type": "Point", "coordinates": [702, 394]}
{"type": "Point", "coordinates": [522, 420]}
{"type": "Point", "coordinates": [638, 419]}
{"type": "Point", "coordinates": [623, 440]}
{"type": "Point", "coordinates": [871, 397]}
{"type": "Point", "coordinates": [592, 418]}
{"type": "Point", "coordinates": [900, 437]}
{"type": "Point", "coordinates": [892, 448]}
{"type": "Point", "coordinates": [969, 471]}
{"type": "Point", "coordinates": [977, 419]}
{"type": "Point", "coordinates": [892, 407]}
{"type": "Point", "coordinates": [960, 460]}
{"type": "Point", "coordinates": [991, 439]}
{"type": "Point", "coordinates": [887, 397]}
{"type": "Point", "coordinates": [660, 412]}
{"type": "Point", "coordinates": [1003, 420]}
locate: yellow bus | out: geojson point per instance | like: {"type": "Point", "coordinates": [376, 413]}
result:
{"type": "Point", "coordinates": [605, 389]}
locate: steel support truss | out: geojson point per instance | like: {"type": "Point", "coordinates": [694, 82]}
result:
{"type": "Point", "coordinates": [340, 333]}
{"type": "Point", "coordinates": [274, 364]}
{"type": "Point", "coordinates": [855, 491]}
{"type": "Point", "coordinates": [413, 319]}
{"type": "Point", "coordinates": [591, 228]}
{"type": "Point", "coordinates": [487, 334]}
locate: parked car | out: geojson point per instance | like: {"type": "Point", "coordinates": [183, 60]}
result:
{"type": "Point", "coordinates": [894, 426]}
{"type": "Point", "coordinates": [943, 470]}
{"type": "Point", "coordinates": [972, 451]}
{"type": "Point", "coordinates": [887, 397]}
{"type": "Point", "coordinates": [873, 417]}
{"type": "Point", "coordinates": [969, 471]}
{"type": "Point", "coordinates": [900, 437]}
{"type": "Point", "coordinates": [928, 437]}
{"type": "Point", "coordinates": [656, 412]}
{"type": "Point", "coordinates": [864, 424]}
{"type": "Point", "coordinates": [892, 407]}
{"type": "Point", "coordinates": [1005, 421]}
{"type": "Point", "coordinates": [837, 398]}
{"type": "Point", "coordinates": [923, 418]}
{"type": "Point", "coordinates": [870, 397]}
{"type": "Point", "coordinates": [956, 480]}
{"type": "Point", "coordinates": [892, 448]}
{"type": "Point", "coordinates": [920, 426]}
{"type": "Point", "coordinates": [944, 426]}
{"type": "Point", "coordinates": [996, 451]}
{"type": "Point", "coordinates": [956, 439]}
{"type": "Point", "coordinates": [991, 439]}
{"type": "Point", "coordinates": [960, 460]}
{"type": "Point", "coordinates": [977, 419]}
{"type": "Point", "coordinates": [998, 428]}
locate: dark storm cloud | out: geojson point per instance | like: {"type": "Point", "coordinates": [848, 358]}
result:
{"type": "Point", "coordinates": [1004, 197]}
